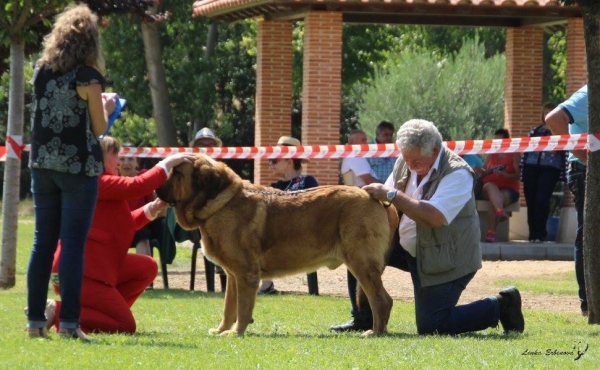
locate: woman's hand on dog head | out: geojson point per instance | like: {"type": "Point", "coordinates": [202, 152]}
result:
{"type": "Point", "coordinates": [176, 159]}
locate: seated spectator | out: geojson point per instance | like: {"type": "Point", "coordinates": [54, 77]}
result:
{"type": "Point", "coordinates": [357, 171]}
{"type": "Point", "coordinates": [472, 160]}
{"type": "Point", "coordinates": [291, 180]}
{"type": "Point", "coordinates": [475, 163]}
{"type": "Point", "coordinates": [113, 278]}
{"type": "Point", "coordinates": [205, 138]}
{"type": "Point", "coordinates": [383, 166]}
{"type": "Point", "coordinates": [500, 175]}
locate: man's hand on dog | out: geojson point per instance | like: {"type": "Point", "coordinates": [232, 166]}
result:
{"type": "Point", "coordinates": [378, 191]}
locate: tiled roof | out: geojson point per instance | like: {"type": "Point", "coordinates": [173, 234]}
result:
{"type": "Point", "coordinates": [494, 12]}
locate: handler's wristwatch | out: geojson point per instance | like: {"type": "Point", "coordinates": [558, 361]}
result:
{"type": "Point", "coordinates": [391, 195]}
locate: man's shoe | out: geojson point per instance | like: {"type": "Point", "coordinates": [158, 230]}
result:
{"type": "Point", "coordinates": [511, 315]}
{"type": "Point", "coordinates": [268, 290]}
{"type": "Point", "coordinates": [352, 325]}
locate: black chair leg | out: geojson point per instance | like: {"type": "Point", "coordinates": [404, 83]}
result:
{"type": "Point", "coordinates": [313, 283]}
{"type": "Point", "coordinates": [165, 275]}
{"type": "Point", "coordinates": [193, 269]}
{"type": "Point", "coordinates": [223, 277]}
{"type": "Point", "coordinates": [209, 267]}
{"type": "Point", "coordinates": [163, 266]}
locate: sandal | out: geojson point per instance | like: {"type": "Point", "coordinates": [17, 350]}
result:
{"type": "Point", "coordinates": [34, 333]}
{"type": "Point", "coordinates": [50, 314]}
{"type": "Point", "coordinates": [73, 334]}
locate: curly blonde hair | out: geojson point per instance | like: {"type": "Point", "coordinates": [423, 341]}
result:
{"type": "Point", "coordinates": [74, 40]}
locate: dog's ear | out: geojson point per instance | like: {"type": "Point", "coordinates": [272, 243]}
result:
{"type": "Point", "coordinates": [214, 177]}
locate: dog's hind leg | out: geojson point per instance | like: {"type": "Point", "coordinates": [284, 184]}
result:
{"type": "Point", "coordinates": [230, 308]}
{"type": "Point", "coordinates": [369, 278]}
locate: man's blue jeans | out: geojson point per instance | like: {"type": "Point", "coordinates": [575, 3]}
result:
{"type": "Point", "coordinates": [436, 310]}
{"type": "Point", "coordinates": [576, 182]}
{"type": "Point", "coordinates": [64, 207]}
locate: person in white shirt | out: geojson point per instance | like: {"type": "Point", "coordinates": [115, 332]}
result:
{"type": "Point", "coordinates": [357, 171]}
{"type": "Point", "coordinates": [432, 189]}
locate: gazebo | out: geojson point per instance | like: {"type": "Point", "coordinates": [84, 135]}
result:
{"type": "Point", "coordinates": [525, 21]}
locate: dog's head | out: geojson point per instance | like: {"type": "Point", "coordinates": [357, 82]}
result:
{"type": "Point", "coordinates": [192, 186]}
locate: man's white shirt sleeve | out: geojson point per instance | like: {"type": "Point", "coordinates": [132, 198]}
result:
{"type": "Point", "coordinates": [453, 192]}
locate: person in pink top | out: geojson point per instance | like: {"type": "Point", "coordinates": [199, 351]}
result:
{"type": "Point", "coordinates": [501, 184]}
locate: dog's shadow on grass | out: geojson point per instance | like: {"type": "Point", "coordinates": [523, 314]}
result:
{"type": "Point", "coordinates": [181, 293]}
{"type": "Point", "coordinates": [155, 340]}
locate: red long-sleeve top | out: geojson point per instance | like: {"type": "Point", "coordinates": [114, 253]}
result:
{"type": "Point", "coordinates": [114, 224]}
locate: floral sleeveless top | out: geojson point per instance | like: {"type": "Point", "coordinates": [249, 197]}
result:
{"type": "Point", "coordinates": [62, 139]}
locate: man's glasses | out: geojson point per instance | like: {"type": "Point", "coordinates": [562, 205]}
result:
{"type": "Point", "coordinates": [273, 162]}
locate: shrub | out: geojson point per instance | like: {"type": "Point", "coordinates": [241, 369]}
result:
{"type": "Point", "coordinates": [463, 94]}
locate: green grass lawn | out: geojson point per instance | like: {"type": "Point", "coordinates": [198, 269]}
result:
{"type": "Point", "coordinates": [290, 332]}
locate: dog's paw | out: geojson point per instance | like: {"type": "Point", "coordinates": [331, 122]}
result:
{"type": "Point", "coordinates": [229, 333]}
{"type": "Point", "coordinates": [370, 333]}
{"type": "Point", "coordinates": [214, 331]}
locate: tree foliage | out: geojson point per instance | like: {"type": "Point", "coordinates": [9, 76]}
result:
{"type": "Point", "coordinates": [462, 94]}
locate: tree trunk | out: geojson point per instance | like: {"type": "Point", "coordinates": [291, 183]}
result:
{"type": "Point", "coordinates": [165, 129]}
{"type": "Point", "coordinates": [209, 51]}
{"type": "Point", "coordinates": [12, 169]}
{"type": "Point", "coordinates": [591, 231]}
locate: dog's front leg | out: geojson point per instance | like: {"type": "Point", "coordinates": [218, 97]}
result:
{"type": "Point", "coordinates": [230, 309]}
{"type": "Point", "coordinates": [246, 297]}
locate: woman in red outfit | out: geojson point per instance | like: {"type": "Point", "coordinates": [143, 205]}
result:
{"type": "Point", "coordinates": [501, 184]}
{"type": "Point", "coordinates": [113, 278]}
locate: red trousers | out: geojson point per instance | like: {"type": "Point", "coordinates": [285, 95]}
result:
{"type": "Point", "coordinates": [107, 309]}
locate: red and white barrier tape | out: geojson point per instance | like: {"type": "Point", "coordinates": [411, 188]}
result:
{"type": "Point", "coordinates": [512, 145]}
{"type": "Point", "coordinates": [15, 146]}
{"type": "Point", "coordinates": [488, 146]}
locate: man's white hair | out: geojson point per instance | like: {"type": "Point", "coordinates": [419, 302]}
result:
{"type": "Point", "coordinates": [419, 133]}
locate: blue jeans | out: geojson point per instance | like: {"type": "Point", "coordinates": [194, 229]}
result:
{"type": "Point", "coordinates": [576, 182]}
{"type": "Point", "coordinates": [538, 185]}
{"type": "Point", "coordinates": [64, 207]}
{"type": "Point", "coordinates": [436, 311]}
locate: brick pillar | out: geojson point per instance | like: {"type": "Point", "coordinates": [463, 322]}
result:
{"type": "Point", "coordinates": [321, 93]}
{"type": "Point", "coordinates": [576, 60]}
{"type": "Point", "coordinates": [273, 90]}
{"type": "Point", "coordinates": [524, 79]}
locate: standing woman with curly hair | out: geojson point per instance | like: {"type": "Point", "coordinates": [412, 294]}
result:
{"type": "Point", "coordinates": [69, 113]}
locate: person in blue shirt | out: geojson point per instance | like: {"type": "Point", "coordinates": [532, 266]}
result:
{"type": "Point", "coordinates": [472, 160]}
{"type": "Point", "coordinates": [384, 134]}
{"type": "Point", "coordinates": [571, 117]}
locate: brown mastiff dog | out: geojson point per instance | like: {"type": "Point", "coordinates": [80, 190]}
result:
{"type": "Point", "coordinates": [257, 232]}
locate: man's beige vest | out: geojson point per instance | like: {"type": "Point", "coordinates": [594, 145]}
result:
{"type": "Point", "coordinates": [451, 251]}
